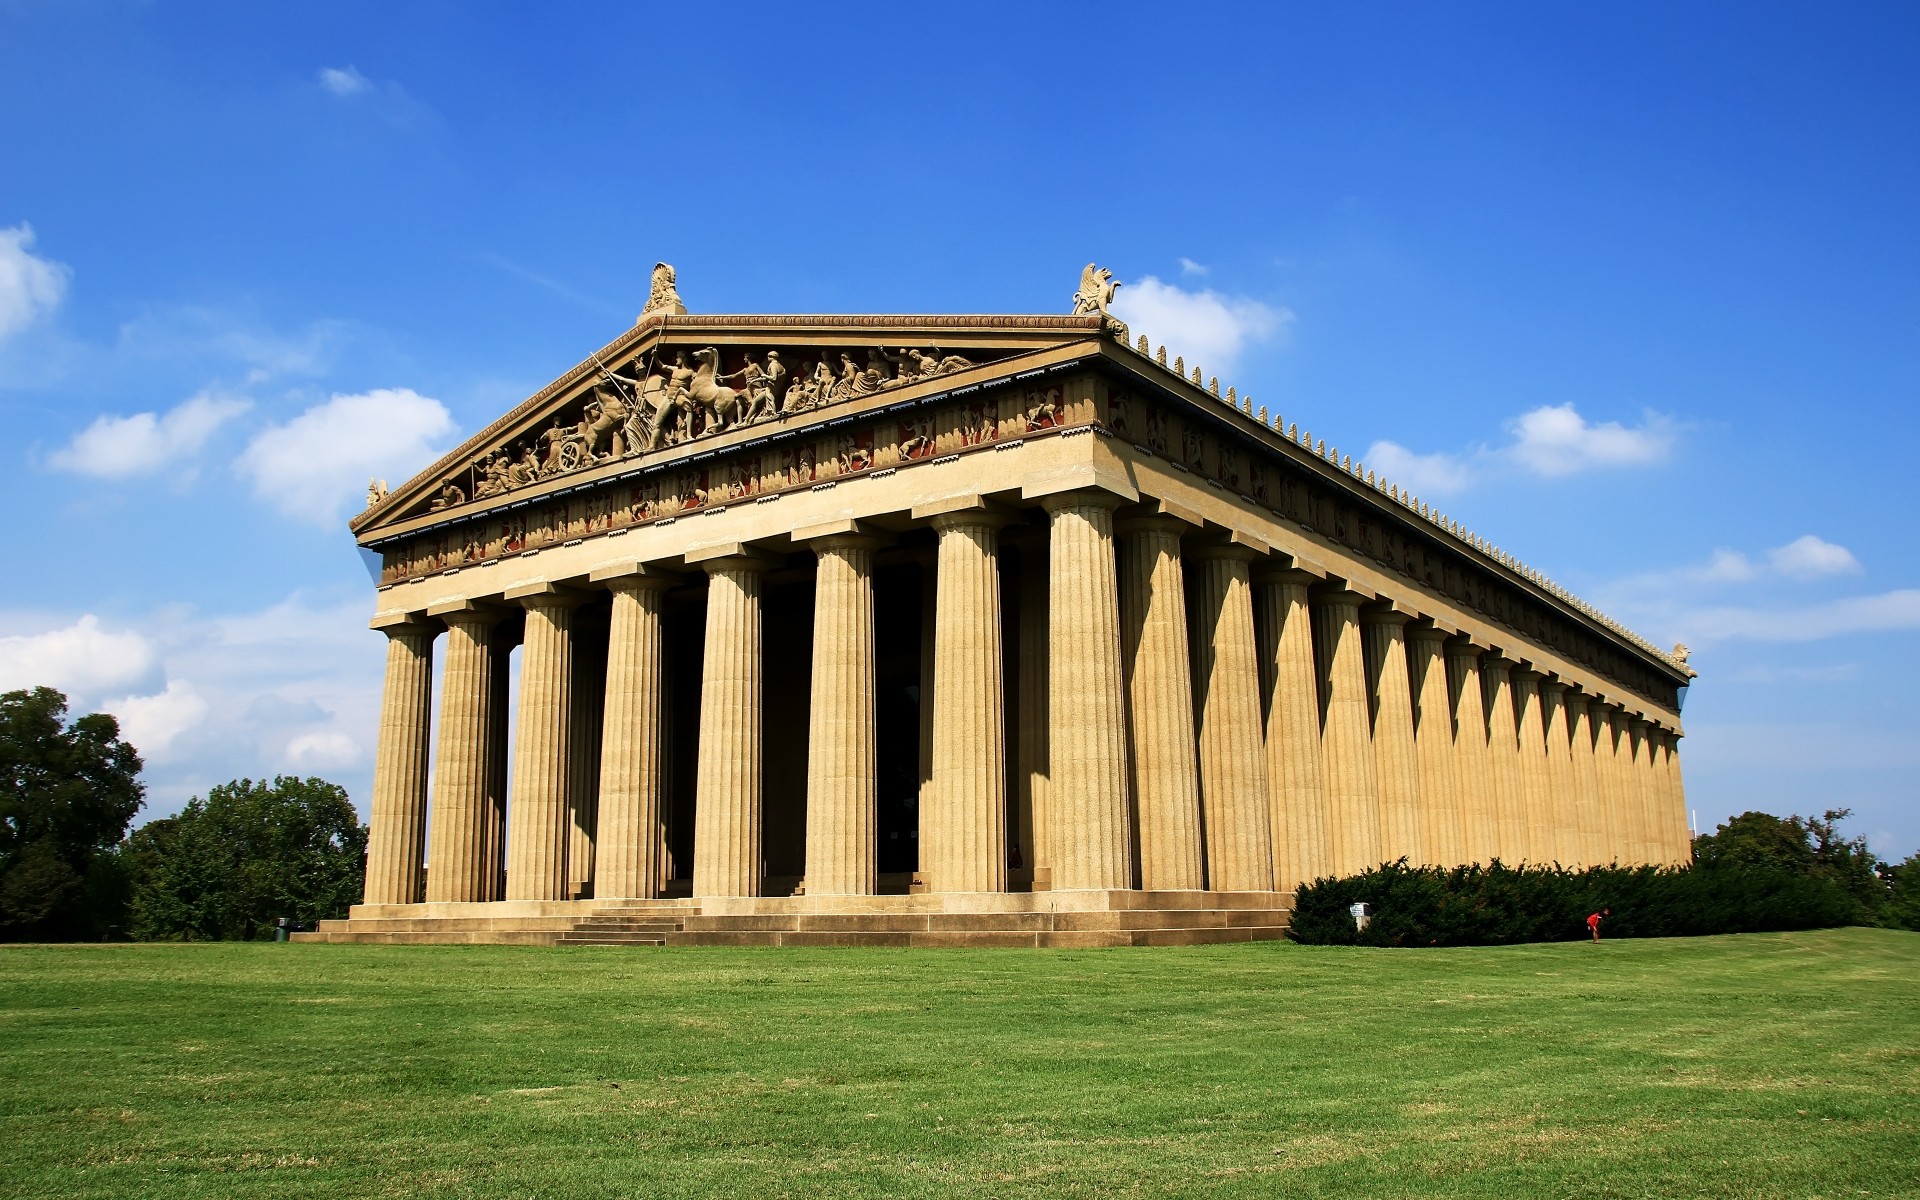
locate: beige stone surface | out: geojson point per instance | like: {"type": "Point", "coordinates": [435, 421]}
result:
{"type": "Point", "coordinates": [459, 833]}
{"type": "Point", "coordinates": [1087, 752]}
{"type": "Point", "coordinates": [397, 826]}
{"type": "Point", "coordinates": [1503, 757]}
{"type": "Point", "coordinates": [1473, 759]}
{"type": "Point", "coordinates": [1562, 813]}
{"type": "Point", "coordinates": [842, 851]}
{"type": "Point", "coordinates": [631, 837]}
{"type": "Point", "coordinates": [1442, 823]}
{"type": "Point", "coordinates": [1396, 765]}
{"type": "Point", "coordinates": [1295, 786]}
{"type": "Point", "coordinates": [726, 839]}
{"type": "Point", "coordinates": [1536, 786]}
{"type": "Point", "coordinates": [1166, 778]}
{"type": "Point", "coordinates": [541, 791]}
{"type": "Point", "coordinates": [963, 824]}
{"type": "Point", "coordinates": [1346, 747]}
{"type": "Point", "coordinates": [1035, 735]}
{"type": "Point", "coordinates": [1588, 826]}
{"type": "Point", "coordinates": [1233, 764]}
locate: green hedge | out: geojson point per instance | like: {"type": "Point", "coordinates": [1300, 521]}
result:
{"type": "Point", "coordinates": [1497, 904]}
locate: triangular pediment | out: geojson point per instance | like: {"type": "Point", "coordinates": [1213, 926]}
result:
{"type": "Point", "coordinates": [673, 384]}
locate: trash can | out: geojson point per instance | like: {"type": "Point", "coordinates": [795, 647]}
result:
{"type": "Point", "coordinates": [1362, 913]}
{"type": "Point", "coordinates": [280, 929]}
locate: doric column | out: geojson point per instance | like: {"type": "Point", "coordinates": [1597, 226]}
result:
{"type": "Point", "coordinates": [1562, 811]}
{"type": "Point", "coordinates": [1035, 653]}
{"type": "Point", "coordinates": [1503, 754]}
{"type": "Point", "coordinates": [1091, 843]}
{"type": "Point", "coordinates": [631, 849]}
{"type": "Point", "coordinates": [505, 639]}
{"type": "Point", "coordinates": [459, 866]}
{"type": "Point", "coordinates": [588, 713]}
{"type": "Point", "coordinates": [538, 799]}
{"type": "Point", "coordinates": [1233, 761]}
{"type": "Point", "coordinates": [1443, 837]}
{"type": "Point", "coordinates": [397, 827]}
{"type": "Point", "coordinates": [1296, 790]}
{"type": "Point", "coordinates": [1613, 838]}
{"type": "Point", "coordinates": [1166, 784]}
{"type": "Point", "coordinates": [963, 824]}
{"type": "Point", "coordinates": [1390, 698]}
{"type": "Point", "coordinates": [1677, 801]}
{"type": "Point", "coordinates": [1346, 750]}
{"type": "Point", "coordinates": [1472, 761]}
{"type": "Point", "coordinates": [1640, 793]}
{"type": "Point", "coordinates": [1589, 834]}
{"type": "Point", "coordinates": [842, 775]}
{"type": "Point", "coordinates": [726, 804]}
{"type": "Point", "coordinates": [1616, 752]}
{"type": "Point", "coordinates": [1535, 789]}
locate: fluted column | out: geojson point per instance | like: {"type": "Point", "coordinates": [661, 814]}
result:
{"type": "Point", "coordinates": [1677, 802]}
{"type": "Point", "coordinates": [1589, 833]}
{"type": "Point", "coordinates": [1535, 788]}
{"type": "Point", "coordinates": [1640, 775]}
{"type": "Point", "coordinates": [1442, 835]}
{"type": "Point", "coordinates": [1036, 651]}
{"type": "Point", "coordinates": [1296, 789]}
{"type": "Point", "coordinates": [963, 824]}
{"type": "Point", "coordinates": [1346, 750]}
{"type": "Point", "coordinates": [1503, 754]}
{"type": "Point", "coordinates": [726, 806]}
{"type": "Point", "coordinates": [538, 799]}
{"type": "Point", "coordinates": [505, 639]}
{"type": "Point", "coordinates": [1088, 789]}
{"type": "Point", "coordinates": [458, 836]}
{"type": "Point", "coordinates": [1166, 785]}
{"type": "Point", "coordinates": [1390, 698]}
{"type": "Point", "coordinates": [1562, 805]}
{"type": "Point", "coordinates": [1606, 760]}
{"type": "Point", "coordinates": [1233, 760]}
{"type": "Point", "coordinates": [1472, 760]}
{"type": "Point", "coordinates": [631, 848]}
{"type": "Point", "coordinates": [397, 826]}
{"type": "Point", "coordinates": [842, 775]}
{"type": "Point", "coordinates": [588, 713]}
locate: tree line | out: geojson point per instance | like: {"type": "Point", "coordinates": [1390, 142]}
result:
{"type": "Point", "coordinates": [228, 866]}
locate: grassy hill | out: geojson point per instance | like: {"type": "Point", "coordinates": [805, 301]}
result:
{"type": "Point", "coordinates": [1763, 1065]}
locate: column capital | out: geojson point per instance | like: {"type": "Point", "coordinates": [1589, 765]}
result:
{"type": "Point", "coordinates": [1285, 576]}
{"type": "Point", "coordinates": [1551, 683]}
{"type": "Point", "coordinates": [1497, 663]}
{"type": "Point", "coordinates": [1423, 630]}
{"type": "Point", "coordinates": [1384, 612]}
{"type": "Point", "coordinates": [404, 624]}
{"type": "Point", "coordinates": [546, 596]}
{"type": "Point", "coordinates": [1151, 523]}
{"type": "Point", "coordinates": [1223, 551]}
{"type": "Point", "coordinates": [467, 614]}
{"type": "Point", "coordinates": [1462, 646]}
{"type": "Point", "coordinates": [730, 557]}
{"type": "Point", "coordinates": [967, 511]}
{"type": "Point", "coordinates": [635, 577]}
{"type": "Point", "coordinates": [1336, 593]}
{"type": "Point", "coordinates": [1059, 502]}
{"type": "Point", "coordinates": [833, 535]}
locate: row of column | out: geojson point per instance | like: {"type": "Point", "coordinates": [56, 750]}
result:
{"type": "Point", "coordinates": [1213, 723]}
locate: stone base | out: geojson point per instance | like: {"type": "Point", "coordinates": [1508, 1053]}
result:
{"type": "Point", "coordinates": [1069, 918]}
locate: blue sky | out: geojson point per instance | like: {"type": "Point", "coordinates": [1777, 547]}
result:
{"type": "Point", "coordinates": [1629, 289]}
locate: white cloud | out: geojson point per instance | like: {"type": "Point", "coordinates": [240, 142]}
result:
{"type": "Point", "coordinates": [344, 81]}
{"type": "Point", "coordinates": [1190, 267]}
{"type": "Point", "coordinates": [82, 659]}
{"type": "Point", "coordinates": [314, 465]}
{"type": "Point", "coordinates": [119, 447]}
{"type": "Point", "coordinates": [1206, 328]}
{"type": "Point", "coordinates": [1556, 440]}
{"type": "Point", "coordinates": [154, 723]}
{"type": "Point", "coordinates": [1430, 475]}
{"type": "Point", "coordinates": [1884, 612]}
{"type": "Point", "coordinates": [319, 750]}
{"type": "Point", "coordinates": [1809, 557]}
{"type": "Point", "coordinates": [30, 286]}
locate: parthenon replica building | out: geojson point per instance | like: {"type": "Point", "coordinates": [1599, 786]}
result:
{"type": "Point", "coordinates": [959, 630]}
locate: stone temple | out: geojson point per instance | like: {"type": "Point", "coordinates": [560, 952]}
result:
{"type": "Point", "coordinates": [942, 630]}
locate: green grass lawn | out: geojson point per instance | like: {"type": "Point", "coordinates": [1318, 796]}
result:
{"type": "Point", "coordinates": [1762, 1065]}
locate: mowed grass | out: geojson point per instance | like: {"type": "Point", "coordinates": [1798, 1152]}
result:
{"type": "Point", "coordinates": [1764, 1065]}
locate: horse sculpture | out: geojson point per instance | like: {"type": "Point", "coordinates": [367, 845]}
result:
{"type": "Point", "coordinates": [721, 403]}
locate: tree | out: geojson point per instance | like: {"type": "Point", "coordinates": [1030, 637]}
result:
{"type": "Point", "coordinates": [228, 866]}
{"type": "Point", "coordinates": [67, 793]}
{"type": "Point", "coordinates": [1903, 882]}
{"type": "Point", "coordinates": [1806, 846]}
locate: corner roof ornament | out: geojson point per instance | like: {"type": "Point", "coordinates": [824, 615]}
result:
{"type": "Point", "coordinates": [1097, 286]}
{"type": "Point", "coordinates": [663, 298]}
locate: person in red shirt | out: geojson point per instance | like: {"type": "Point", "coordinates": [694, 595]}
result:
{"type": "Point", "coordinates": [1593, 922]}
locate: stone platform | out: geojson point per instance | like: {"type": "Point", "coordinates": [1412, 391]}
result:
{"type": "Point", "coordinates": [1067, 918]}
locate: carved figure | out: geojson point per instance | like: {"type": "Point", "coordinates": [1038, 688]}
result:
{"type": "Point", "coordinates": [663, 296]}
{"type": "Point", "coordinates": [493, 476]}
{"type": "Point", "coordinates": [822, 390]}
{"type": "Point", "coordinates": [1680, 652]}
{"type": "Point", "coordinates": [925, 365]}
{"type": "Point", "coordinates": [1097, 287]}
{"type": "Point", "coordinates": [721, 404]}
{"type": "Point", "coordinates": [777, 380]}
{"type": "Point", "coordinates": [376, 491]}
{"type": "Point", "coordinates": [759, 402]}
{"type": "Point", "coordinates": [450, 497]}
{"type": "Point", "coordinates": [526, 470]}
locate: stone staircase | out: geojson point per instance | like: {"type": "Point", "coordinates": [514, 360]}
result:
{"type": "Point", "coordinates": [626, 927]}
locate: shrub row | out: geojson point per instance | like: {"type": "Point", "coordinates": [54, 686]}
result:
{"type": "Point", "coordinates": [1498, 904]}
